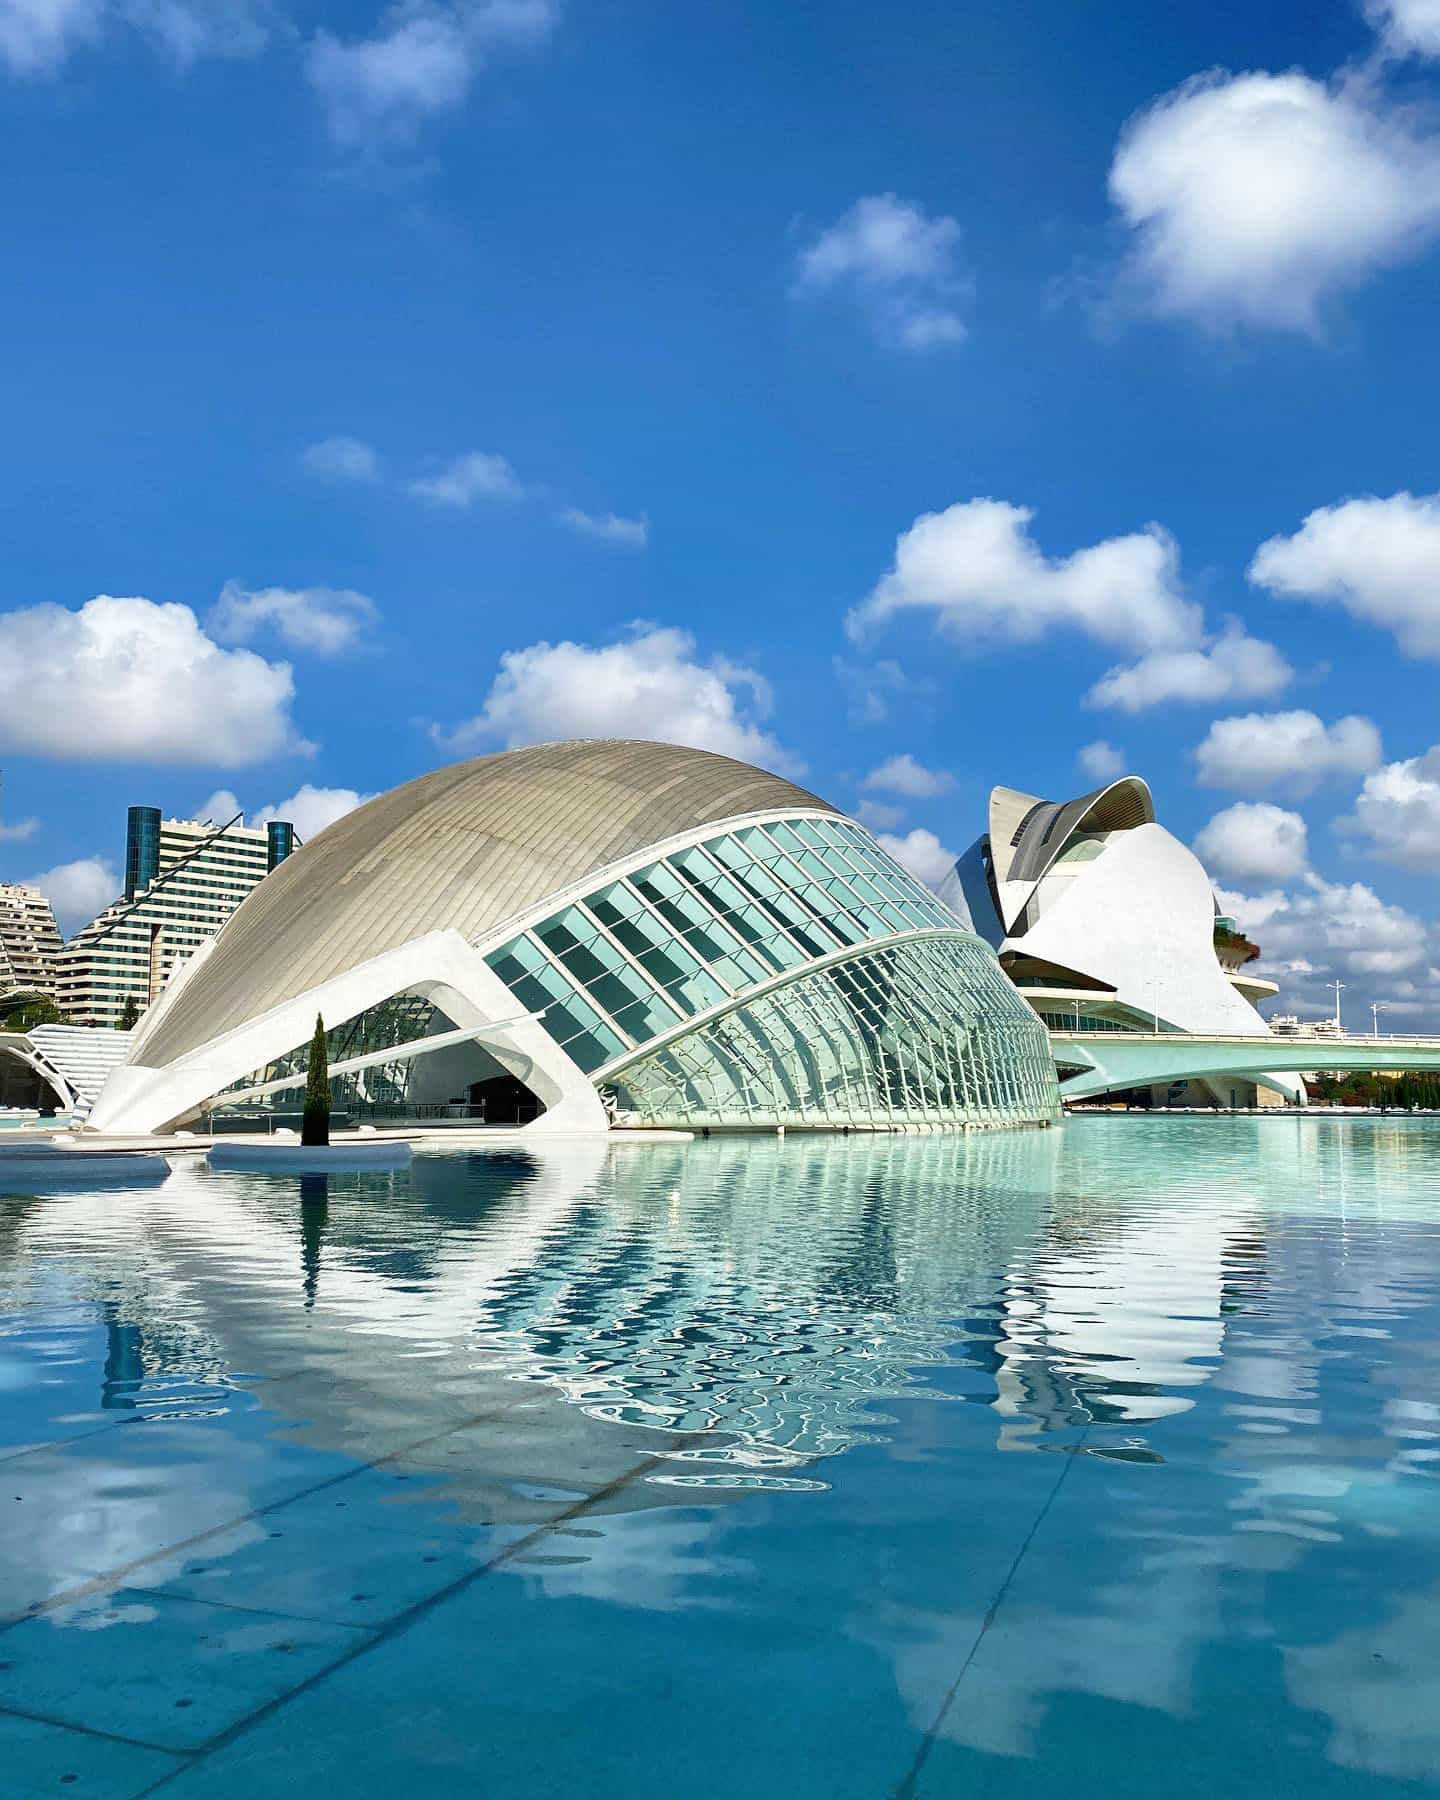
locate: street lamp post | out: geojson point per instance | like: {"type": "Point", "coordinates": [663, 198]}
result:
{"type": "Point", "coordinates": [1338, 987]}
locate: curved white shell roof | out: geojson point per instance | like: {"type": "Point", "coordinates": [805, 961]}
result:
{"type": "Point", "coordinates": [466, 848]}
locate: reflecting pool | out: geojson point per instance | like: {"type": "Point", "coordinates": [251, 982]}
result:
{"type": "Point", "coordinates": [1099, 1461]}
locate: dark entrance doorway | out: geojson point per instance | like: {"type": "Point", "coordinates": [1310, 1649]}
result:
{"type": "Point", "coordinates": [504, 1100]}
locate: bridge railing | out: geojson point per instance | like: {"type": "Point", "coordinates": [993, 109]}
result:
{"type": "Point", "coordinates": [1384, 1040]}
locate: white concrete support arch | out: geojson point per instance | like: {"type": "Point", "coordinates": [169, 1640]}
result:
{"type": "Point", "coordinates": [440, 966]}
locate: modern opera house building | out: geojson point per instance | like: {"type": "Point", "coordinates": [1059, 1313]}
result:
{"type": "Point", "coordinates": [1105, 921]}
{"type": "Point", "coordinates": [576, 935]}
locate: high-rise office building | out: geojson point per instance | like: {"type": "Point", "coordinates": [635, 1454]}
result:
{"type": "Point", "coordinates": [30, 941]}
{"type": "Point", "coordinates": [183, 880]}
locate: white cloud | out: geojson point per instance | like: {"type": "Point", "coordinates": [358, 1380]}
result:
{"type": "Point", "coordinates": [342, 459]}
{"type": "Point", "coordinates": [902, 266]}
{"type": "Point", "coordinates": [324, 621]}
{"type": "Point", "coordinates": [36, 36]}
{"type": "Point", "coordinates": [609, 527]}
{"type": "Point", "coordinates": [130, 680]}
{"type": "Point", "coordinates": [1379, 559]}
{"type": "Point", "coordinates": [1102, 761]}
{"type": "Point", "coordinates": [903, 775]}
{"type": "Point", "coordinates": [77, 891]}
{"type": "Point", "coordinates": [379, 90]}
{"type": "Point", "coordinates": [650, 686]}
{"type": "Point", "coordinates": [473, 476]}
{"type": "Point", "coordinates": [1398, 812]}
{"type": "Point", "coordinates": [1327, 931]}
{"type": "Point", "coordinates": [978, 570]}
{"type": "Point", "coordinates": [1254, 840]}
{"type": "Point", "coordinates": [870, 687]}
{"type": "Point", "coordinates": [19, 832]}
{"type": "Point", "coordinates": [922, 853]}
{"type": "Point", "coordinates": [1407, 26]}
{"type": "Point", "coordinates": [1296, 749]}
{"type": "Point", "coordinates": [878, 816]}
{"type": "Point", "coordinates": [1253, 198]}
{"type": "Point", "coordinates": [309, 809]}
{"type": "Point", "coordinates": [1234, 667]}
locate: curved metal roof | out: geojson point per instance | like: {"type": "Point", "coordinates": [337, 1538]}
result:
{"type": "Point", "coordinates": [1027, 834]}
{"type": "Point", "coordinates": [467, 847]}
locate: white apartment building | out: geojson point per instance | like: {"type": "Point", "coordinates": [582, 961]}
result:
{"type": "Point", "coordinates": [30, 941]}
{"type": "Point", "coordinates": [183, 880]}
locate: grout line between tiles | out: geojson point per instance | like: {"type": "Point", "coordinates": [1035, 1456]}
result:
{"type": "Point", "coordinates": [906, 1788]}
{"type": "Point", "coordinates": [110, 1578]}
{"type": "Point", "coordinates": [402, 1621]}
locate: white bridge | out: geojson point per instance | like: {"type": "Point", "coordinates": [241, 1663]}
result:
{"type": "Point", "coordinates": [1109, 1060]}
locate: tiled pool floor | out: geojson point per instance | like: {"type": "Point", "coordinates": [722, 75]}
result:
{"type": "Point", "coordinates": [1022, 1468]}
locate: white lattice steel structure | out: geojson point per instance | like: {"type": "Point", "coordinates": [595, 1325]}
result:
{"type": "Point", "coordinates": [628, 932]}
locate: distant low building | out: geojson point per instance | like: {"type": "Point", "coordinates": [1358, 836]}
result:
{"type": "Point", "coordinates": [30, 942]}
{"type": "Point", "coordinates": [183, 879]}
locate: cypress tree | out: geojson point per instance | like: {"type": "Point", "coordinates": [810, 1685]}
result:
{"type": "Point", "coordinates": [315, 1126]}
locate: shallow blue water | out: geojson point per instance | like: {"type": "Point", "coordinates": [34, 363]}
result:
{"type": "Point", "coordinates": [1092, 1462]}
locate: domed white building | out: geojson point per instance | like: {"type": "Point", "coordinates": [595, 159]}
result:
{"type": "Point", "coordinates": [1106, 922]}
{"type": "Point", "coordinates": [575, 934]}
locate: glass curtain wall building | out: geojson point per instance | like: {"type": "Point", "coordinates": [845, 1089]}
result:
{"type": "Point", "coordinates": [774, 913]}
{"type": "Point", "coordinates": [627, 934]}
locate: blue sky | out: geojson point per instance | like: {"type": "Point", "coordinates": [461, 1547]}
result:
{"type": "Point", "coordinates": [483, 371]}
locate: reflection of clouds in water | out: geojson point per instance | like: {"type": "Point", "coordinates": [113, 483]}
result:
{"type": "Point", "coordinates": [651, 1561]}
{"type": "Point", "coordinates": [1377, 1687]}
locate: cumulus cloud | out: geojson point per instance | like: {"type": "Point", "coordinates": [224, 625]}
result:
{"type": "Point", "coordinates": [652, 686]}
{"type": "Point", "coordinates": [922, 853]}
{"type": "Point", "coordinates": [903, 775]}
{"type": "Point", "coordinates": [378, 91]}
{"type": "Point", "coordinates": [342, 459]}
{"type": "Point", "coordinates": [36, 36]}
{"type": "Point", "coordinates": [1234, 666]}
{"type": "Point", "coordinates": [1254, 198]}
{"type": "Point", "coordinates": [1102, 761]}
{"type": "Point", "coordinates": [324, 621]}
{"type": "Point", "coordinates": [1397, 813]}
{"type": "Point", "coordinates": [878, 815]}
{"type": "Point", "coordinates": [309, 809]}
{"type": "Point", "coordinates": [1378, 559]}
{"type": "Point", "coordinates": [1254, 840]}
{"type": "Point", "coordinates": [610, 528]}
{"type": "Point", "coordinates": [1407, 27]}
{"type": "Point", "coordinates": [1325, 931]}
{"type": "Point", "coordinates": [978, 571]}
{"type": "Point", "coordinates": [1292, 749]}
{"type": "Point", "coordinates": [130, 680]}
{"type": "Point", "coordinates": [19, 832]}
{"type": "Point", "coordinates": [901, 266]}
{"type": "Point", "coordinates": [474, 476]}
{"type": "Point", "coordinates": [78, 891]}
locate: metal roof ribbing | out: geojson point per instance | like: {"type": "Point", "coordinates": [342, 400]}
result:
{"type": "Point", "coordinates": [467, 847]}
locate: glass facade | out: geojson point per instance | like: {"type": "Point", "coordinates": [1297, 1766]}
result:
{"type": "Point", "coordinates": [785, 973]}
{"type": "Point", "coordinates": [643, 953]}
{"type": "Point", "coordinates": [706, 925]}
{"type": "Point", "coordinates": [381, 1091]}
{"type": "Point", "coordinates": [919, 1032]}
{"type": "Point", "coordinates": [142, 848]}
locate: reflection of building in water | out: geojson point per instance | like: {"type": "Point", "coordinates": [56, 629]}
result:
{"type": "Point", "coordinates": [739, 1308]}
{"type": "Point", "coordinates": [1114, 1325]}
